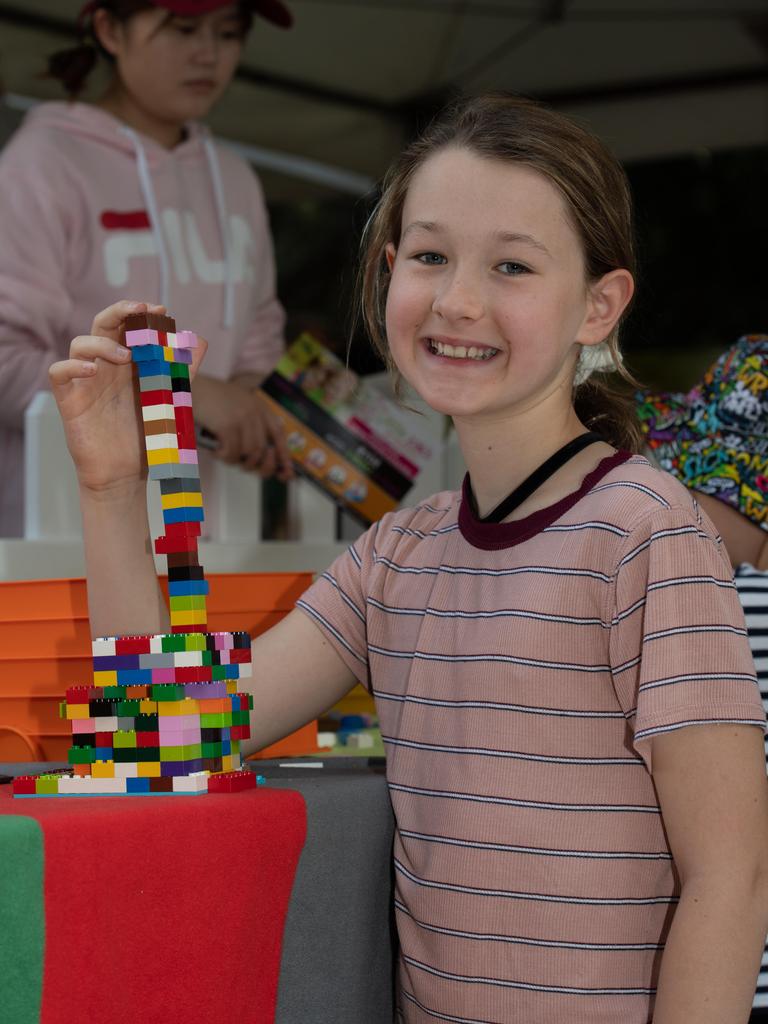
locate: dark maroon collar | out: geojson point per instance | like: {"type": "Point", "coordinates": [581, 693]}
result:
{"type": "Point", "coordinates": [495, 536]}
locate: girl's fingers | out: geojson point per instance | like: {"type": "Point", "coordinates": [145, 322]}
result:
{"type": "Point", "coordinates": [88, 347]}
{"type": "Point", "coordinates": [64, 372]}
{"type": "Point", "coordinates": [109, 321]}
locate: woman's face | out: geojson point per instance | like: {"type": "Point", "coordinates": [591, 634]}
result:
{"type": "Point", "coordinates": [174, 68]}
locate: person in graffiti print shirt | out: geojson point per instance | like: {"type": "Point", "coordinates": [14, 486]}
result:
{"type": "Point", "coordinates": [714, 439]}
{"type": "Point", "coordinates": [129, 195]}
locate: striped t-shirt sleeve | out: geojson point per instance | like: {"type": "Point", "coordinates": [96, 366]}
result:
{"type": "Point", "coordinates": [679, 651]}
{"type": "Point", "coordinates": [337, 603]}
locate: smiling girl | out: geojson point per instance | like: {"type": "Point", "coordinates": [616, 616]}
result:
{"type": "Point", "coordinates": [130, 195]}
{"type": "Point", "coordinates": [557, 652]}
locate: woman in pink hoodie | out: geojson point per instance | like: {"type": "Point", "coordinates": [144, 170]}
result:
{"type": "Point", "coordinates": [131, 196]}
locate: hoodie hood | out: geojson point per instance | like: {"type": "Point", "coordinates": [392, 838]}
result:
{"type": "Point", "coordinates": [92, 124]}
{"type": "Point", "coordinates": [96, 126]}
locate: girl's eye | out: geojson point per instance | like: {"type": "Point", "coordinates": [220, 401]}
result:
{"type": "Point", "coordinates": [430, 259]}
{"type": "Point", "coordinates": [512, 269]}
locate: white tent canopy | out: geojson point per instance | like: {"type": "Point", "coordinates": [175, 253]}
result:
{"type": "Point", "coordinates": [344, 87]}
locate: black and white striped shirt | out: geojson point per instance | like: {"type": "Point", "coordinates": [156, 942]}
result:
{"type": "Point", "coordinates": [752, 586]}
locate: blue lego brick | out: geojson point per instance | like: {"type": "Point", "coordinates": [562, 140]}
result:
{"type": "Point", "coordinates": [148, 353]}
{"type": "Point", "coordinates": [180, 588]}
{"type": "Point", "coordinates": [183, 515]}
{"type": "Point", "coordinates": [134, 677]}
{"type": "Point", "coordinates": [154, 367]}
{"type": "Point", "coordinates": [137, 785]}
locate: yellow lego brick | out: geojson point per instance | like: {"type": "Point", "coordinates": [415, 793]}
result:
{"type": "Point", "coordinates": [147, 707]}
{"type": "Point", "coordinates": [149, 769]}
{"type": "Point", "coordinates": [103, 769]}
{"type": "Point", "coordinates": [108, 678]}
{"type": "Point", "coordinates": [231, 685]}
{"type": "Point", "coordinates": [226, 763]}
{"type": "Point", "coordinates": [78, 711]}
{"type": "Point", "coordinates": [162, 456]}
{"type": "Point", "coordinates": [188, 706]}
{"type": "Point", "coordinates": [184, 618]}
{"type": "Point", "coordinates": [186, 500]}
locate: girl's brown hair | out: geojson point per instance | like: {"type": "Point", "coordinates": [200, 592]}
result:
{"type": "Point", "coordinates": [73, 66]}
{"type": "Point", "coordinates": [501, 126]}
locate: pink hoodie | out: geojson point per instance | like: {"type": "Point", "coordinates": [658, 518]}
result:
{"type": "Point", "coordinates": [91, 212]}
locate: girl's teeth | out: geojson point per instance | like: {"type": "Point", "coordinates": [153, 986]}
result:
{"type": "Point", "coordinates": [461, 351]}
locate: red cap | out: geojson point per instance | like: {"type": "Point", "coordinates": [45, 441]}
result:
{"type": "Point", "coordinates": [273, 10]}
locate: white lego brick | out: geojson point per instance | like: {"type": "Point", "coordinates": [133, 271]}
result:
{"type": "Point", "coordinates": [164, 411]}
{"type": "Point", "coordinates": [155, 442]}
{"type": "Point", "coordinates": [246, 669]}
{"type": "Point", "coordinates": [360, 741]}
{"type": "Point", "coordinates": [103, 646]}
{"type": "Point", "coordinates": [106, 724]}
{"type": "Point", "coordinates": [197, 783]}
{"type": "Point", "coordinates": [126, 770]}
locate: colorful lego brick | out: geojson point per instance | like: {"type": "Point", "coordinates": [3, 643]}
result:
{"type": "Point", "coordinates": [149, 321]}
{"type": "Point", "coordinates": [231, 782]}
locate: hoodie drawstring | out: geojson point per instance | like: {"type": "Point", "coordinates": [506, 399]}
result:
{"type": "Point", "coordinates": [221, 214]}
{"type": "Point", "coordinates": [148, 192]}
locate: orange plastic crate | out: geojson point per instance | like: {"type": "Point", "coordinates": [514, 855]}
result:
{"type": "Point", "coordinates": [45, 646]}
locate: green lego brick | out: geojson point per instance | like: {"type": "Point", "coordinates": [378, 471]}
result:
{"type": "Point", "coordinates": [174, 642]}
{"type": "Point", "coordinates": [211, 749]}
{"type": "Point", "coordinates": [167, 691]}
{"type": "Point", "coordinates": [128, 708]}
{"type": "Point", "coordinates": [188, 602]}
{"type": "Point", "coordinates": [216, 721]}
{"type": "Point", "coordinates": [80, 755]}
{"type": "Point", "coordinates": [113, 692]}
{"type": "Point", "coordinates": [124, 739]}
{"type": "Point", "coordinates": [189, 752]}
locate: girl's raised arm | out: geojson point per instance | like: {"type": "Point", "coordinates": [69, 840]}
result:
{"type": "Point", "coordinates": [297, 674]}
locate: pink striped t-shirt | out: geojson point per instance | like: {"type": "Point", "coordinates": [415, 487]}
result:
{"type": "Point", "coordinates": [519, 671]}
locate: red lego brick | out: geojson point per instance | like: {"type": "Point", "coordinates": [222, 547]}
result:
{"type": "Point", "coordinates": [240, 656]}
{"type": "Point", "coordinates": [104, 739]}
{"type": "Point", "coordinates": [132, 644]}
{"type": "Point", "coordinates": [156, 397]}
{"type": "Point", "coordinates": [171, 545]}
{"type": "Point", "coordinates": [231, 782]}
{"type": "Point", "coordinates": [78, 694]}
{"type": "Point", "coordinates": [147, 739]}
{"type": "Point", "coordinates": [23, 785]}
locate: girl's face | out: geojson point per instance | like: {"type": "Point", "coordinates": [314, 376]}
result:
{"type": "Point", "coordinates": [175, 68]}
{"type": "Point", "coordinates": [487, 296]}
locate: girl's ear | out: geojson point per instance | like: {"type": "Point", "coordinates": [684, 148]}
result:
{"type": "Point", "coordinates": [390, 252]}
{"type": "Point", "coordinates": [106, 30]}
{"type": "Point", "coordinates": [607, 299]}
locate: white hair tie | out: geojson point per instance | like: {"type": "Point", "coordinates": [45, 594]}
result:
{"type": "Point", "coordinates": [594, 358]}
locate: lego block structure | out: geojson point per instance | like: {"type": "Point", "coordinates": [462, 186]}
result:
{"type": "Point", "coordinates": [162, 713]}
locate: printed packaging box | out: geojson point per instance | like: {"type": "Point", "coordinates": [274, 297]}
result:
{"type": "Point", "coordinates": [347, 434]}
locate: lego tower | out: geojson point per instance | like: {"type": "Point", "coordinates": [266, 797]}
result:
{"type": "Point", "coordinates": [163, 714]}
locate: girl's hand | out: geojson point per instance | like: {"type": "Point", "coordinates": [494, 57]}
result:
{"type": "Point", "coordinates": [97, 399]}
{"type": "Point", "coordinates": [248, 433]}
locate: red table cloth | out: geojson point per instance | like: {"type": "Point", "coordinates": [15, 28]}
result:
{"type": "Point", "coordinates": [156, 910]}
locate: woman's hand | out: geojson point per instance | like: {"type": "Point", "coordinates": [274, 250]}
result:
{"type": "Point", "coordinates": [247, 431]}
{"type": "Point", "coordinates": [97, 399]}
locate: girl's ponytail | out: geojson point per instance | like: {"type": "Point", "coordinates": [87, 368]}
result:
{"type": "Point", "coordinates": [609, 411]}
{"type": "Point", "coordinates": [72, 67]}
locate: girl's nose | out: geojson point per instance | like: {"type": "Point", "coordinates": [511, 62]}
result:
{"type": "Point", "coordinates": [207, 48]}
{"type": "Point", "coordinates": [458, 299]}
